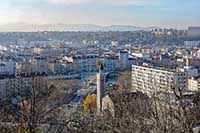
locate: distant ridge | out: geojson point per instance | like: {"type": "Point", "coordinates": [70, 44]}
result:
{"type": "Point", "coordinates": [23, 27]}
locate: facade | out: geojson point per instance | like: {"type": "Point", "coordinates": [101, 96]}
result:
{"type": "Point", "coordinates": [8, 86]}
{"type": "Point", "coordinates": [56, 67]}
{"type": "Point", "coordinates": [194, 84]}
{"type": "Point", "coordinates": [152, 80]}
{"type": "Point", "coordinates": [86, 63]}
{"type": "Point", "coordinates": [40, 65]}
{"type": "Point", "coordinates": [24, 67]}
{"type": "Point", "coordinates": [111, 64]}
{"type": "Point", "coordinates": [123, 58]}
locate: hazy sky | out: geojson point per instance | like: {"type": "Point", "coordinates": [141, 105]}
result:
{"type": "Point", "coordinates": [165, 13]}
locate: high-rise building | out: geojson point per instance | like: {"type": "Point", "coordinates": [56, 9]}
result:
{"type": "Point", "coordinates": [151, 80]}
{"type": "Point", "coordinates": [194, 84]}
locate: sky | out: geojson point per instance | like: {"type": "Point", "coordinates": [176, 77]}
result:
{"type": "Point", "coordinates": [145, 13]}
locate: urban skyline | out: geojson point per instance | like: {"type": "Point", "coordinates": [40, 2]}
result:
{"type": "Point", "coordinates": [85, 66]}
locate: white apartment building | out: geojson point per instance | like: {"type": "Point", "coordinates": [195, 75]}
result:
{"type": "Point", "coordinates": [86, 63]}
{"type": "Point", "coordinates": [194, 84]}
{"type": "Point", "coordinates": [152, 80]}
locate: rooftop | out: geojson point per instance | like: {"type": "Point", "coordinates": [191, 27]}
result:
{"type": "Point", "coordinates": [159, 68]}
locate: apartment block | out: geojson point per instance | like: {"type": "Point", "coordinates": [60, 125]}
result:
{"type": "Point", "coordinates": [151, 80]}
{"type": "Point", "coordinates": [194, 84]}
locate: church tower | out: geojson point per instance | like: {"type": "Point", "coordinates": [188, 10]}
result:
{"type": "Point", "coordinates": [100, 87]}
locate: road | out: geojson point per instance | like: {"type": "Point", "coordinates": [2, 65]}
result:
{"type": "Point", "coordinates": [84, 88]}
{"type": "Point", "coordinates": [87, 86]}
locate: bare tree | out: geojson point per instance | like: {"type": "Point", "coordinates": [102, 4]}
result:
{"type": "Point", "coordinates": [124, 81]}
{"type": "Point", "coordinates": [137, 112]}
{"type": "Point", "coordinates": [34, 105]}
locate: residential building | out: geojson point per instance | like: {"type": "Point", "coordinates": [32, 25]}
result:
{"type": "Point", "coordinates": [40, 65]}
{"type": "Point", "coordinates": [150, 79]}
{"type": "Point", "coordinates": [24, 67]}
{"type": "Point", "coordinates": [111, 64]}
{"type": "Point", "coordinates": [8, 86]}
{"type": "Point", "coordinates": [86, 63]}
{"type": "Point", "coordinates": [123, 57]}
{"type": "Point", "coordinates": [194, 84]}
